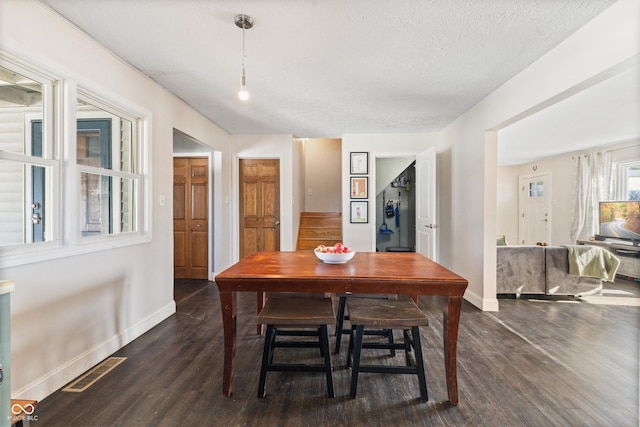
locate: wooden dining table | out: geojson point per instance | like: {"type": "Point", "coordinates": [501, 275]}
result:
{"type": "Point", "coordinates": [406, 273]}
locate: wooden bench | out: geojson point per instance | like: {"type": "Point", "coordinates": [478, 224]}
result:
{"type": "Point", "coordinates": [23, 411]}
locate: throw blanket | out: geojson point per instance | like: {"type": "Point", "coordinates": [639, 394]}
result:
{"type": "Point", "coordinates": [592, 261]}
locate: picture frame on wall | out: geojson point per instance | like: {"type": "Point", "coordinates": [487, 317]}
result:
{"type": "Point", "coordinates": [359, 187]}
{"type": "Point", "coordinates": [359, 163]}
{"type": "Point", "coordinates": [359, 212]}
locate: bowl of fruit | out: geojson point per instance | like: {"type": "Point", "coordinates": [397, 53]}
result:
{"type": "Point", "coordinates": [336, 254]}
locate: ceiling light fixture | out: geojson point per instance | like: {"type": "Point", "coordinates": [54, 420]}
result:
{"type": "Point", "coordinates": [246, 23]}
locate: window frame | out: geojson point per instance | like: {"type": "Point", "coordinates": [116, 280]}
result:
{"type": "Point", "coordinates": [620, 184]}
{"type": "Point", "coordinates": [63, 172]}
{"type": "Point", "coordinates": [139, 120]}
{"type": "Point", "coordinates": [50, 160]}
{"type": "Point", "coordinates": [115, 113]}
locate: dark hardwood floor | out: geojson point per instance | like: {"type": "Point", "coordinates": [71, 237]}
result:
{"type": "Point", "coordinates": [533, 363]}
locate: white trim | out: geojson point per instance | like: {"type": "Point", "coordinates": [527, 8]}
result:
{"type": "Point", "coordinates": [46, 251]}
{"type": "Point", "coordinates": [484, 304]}
{"type": "Point", "coordinates": [53, 380]}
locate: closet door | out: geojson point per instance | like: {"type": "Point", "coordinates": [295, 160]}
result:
{"type": "Point", "coordinates": [190, 217]}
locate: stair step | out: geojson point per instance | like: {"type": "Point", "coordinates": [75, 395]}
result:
{"type": "Point", "coordinates": [319, 233]}
{"type": "Point", "coordinates": [318, 221]}
{"type": "Point", "coordinates": [319, 228]}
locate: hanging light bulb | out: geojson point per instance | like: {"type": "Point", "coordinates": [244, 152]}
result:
{"type": "Point", "coordinates": [246, 23]}
{"type": "Point", "coordinates": [243, 94]}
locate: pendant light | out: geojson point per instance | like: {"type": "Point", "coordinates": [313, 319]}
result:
{"type": "Point", "coordinates": [246, 23]}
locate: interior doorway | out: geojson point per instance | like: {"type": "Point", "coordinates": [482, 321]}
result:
{"type": "Point", "coordinates": [185, 146]}
{"type": "Point", "coordinates": [395, 204]}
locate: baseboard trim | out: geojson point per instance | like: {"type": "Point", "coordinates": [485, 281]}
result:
{"type": "Point", "coordinates": [57, 378]}
{"type": "Point", "coordinates": [484, 304]}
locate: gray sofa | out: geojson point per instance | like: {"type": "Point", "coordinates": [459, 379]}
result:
{"type": "Point", "coordinates": [540, 270]}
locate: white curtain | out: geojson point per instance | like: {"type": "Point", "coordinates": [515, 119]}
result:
{"type": "Point", "coordinates": [592, 177]}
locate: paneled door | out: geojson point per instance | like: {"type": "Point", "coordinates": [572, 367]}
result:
{"type": "Point", "coordinates": [425, 190]}
{"type": "Point", "coordinates": [535, 209]}
{"type": "Point", "coordinates": [190, 217]}
{"type": "Point", "coordinates": [259, 206]}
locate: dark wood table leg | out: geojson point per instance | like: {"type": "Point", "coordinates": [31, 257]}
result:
{"type": "Point", "coordinates": [451, 320]}
{"type": "Point", "coordinates": [228, 302]}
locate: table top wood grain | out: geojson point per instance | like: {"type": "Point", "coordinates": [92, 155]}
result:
{"type": "Point", "coordinates": [393, 272]}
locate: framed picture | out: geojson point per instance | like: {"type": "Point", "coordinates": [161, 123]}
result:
{"type": "Point", "coordinates": [359, 187]}
{"type": "Point", "coordinates": [359, 163]}
{"type": "Point", "coordinates": [359, 212]}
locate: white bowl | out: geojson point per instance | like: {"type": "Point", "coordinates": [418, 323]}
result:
{"type": "Point", "coordinates": [330, 258]}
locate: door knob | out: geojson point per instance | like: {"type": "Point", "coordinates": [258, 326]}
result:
{"type": "Point", "coordinates": [432, 226]}
{"type": "Point", "coordinates": [277, 223]}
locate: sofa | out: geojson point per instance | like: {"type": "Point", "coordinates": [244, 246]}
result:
{"type": "Point", "coordinates": [540, 270]}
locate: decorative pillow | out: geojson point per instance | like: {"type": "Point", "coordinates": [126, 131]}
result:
{"type": "Point", "coordinates": [502, 241]}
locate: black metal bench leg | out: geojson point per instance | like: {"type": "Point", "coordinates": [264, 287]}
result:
{"type": "Point", "coordinates": [389, 334]}
{"type": "Point", "coordinates": [357, 351]}
{"type": "Point", "coordinates": [340, 322]}
{"type": "Point", "coordinates": [267, 358]}
{"type": "Point", "coordinates": [407, 346]}
{"type": "Point", "coordinates": [326, 353]}
{"type": "Point", "coordinates": [350, 351]}
{"type": "Point", "coordinates": [417, 347]}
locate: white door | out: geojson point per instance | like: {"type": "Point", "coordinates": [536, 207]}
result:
{"type": "Point", "coordinates": [535, 209]}
{"type": "Point", "coordinates": [426, 225]}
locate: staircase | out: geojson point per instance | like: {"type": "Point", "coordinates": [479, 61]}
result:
{"type": "Point", "coordinates": [319, 228]}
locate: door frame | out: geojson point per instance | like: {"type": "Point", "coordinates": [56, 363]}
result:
{"type": "Point", "coordinates": [521, 203]}
{"type": "Point", "coordinates": [236, 202]}
{"type": "Point", "coordinates": [211, 222]}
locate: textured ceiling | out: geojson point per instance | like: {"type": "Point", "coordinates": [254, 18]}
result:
{"type": "Point", "coordinates": [319, 69]}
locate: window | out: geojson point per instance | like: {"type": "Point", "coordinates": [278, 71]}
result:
{"type": "Point", "coordinates": [66, 196]}
{"type": "Point", "coordinates": [107, 147]}
{"type": "Point", "coordinates": [28, 167]}
{"type": "Point", "coordinates": [626, 180]}
{"type": "Point", "coordinates": [536, 189]}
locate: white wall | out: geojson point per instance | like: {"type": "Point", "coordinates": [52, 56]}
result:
{"type": "Point", "coordinates": [323, 167]}
{"type": "Point", "coordinates": [67, 314]}
{"type": "Point", "coordinates": [362, 237]}
{"type": "Point", "coordinates": [562, 189]}
{"type": "Point", "coordinates": [507, 203]}
{"type": "Point", "coordinates": [606, 45]}
{"type": "Point", "coordinates": [298, 174]}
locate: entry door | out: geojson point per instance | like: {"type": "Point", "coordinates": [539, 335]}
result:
{"type": "Point", "coordinates": [535, 209]}
{"type": "Point", "coordinates": [190, 217]}
{"type": "Point", "coordinates": [425, 188]}
{"type": "Point", "coordinates": [259, 206]}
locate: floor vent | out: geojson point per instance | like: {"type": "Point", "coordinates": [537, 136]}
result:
{"type": "Point", "coordinates": [90, 377]}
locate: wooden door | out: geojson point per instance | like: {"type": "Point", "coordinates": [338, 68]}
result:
{"type": "Point", "coordinates": [259, 206]}
{"type": "Point", "coordinates": [190, 217]}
